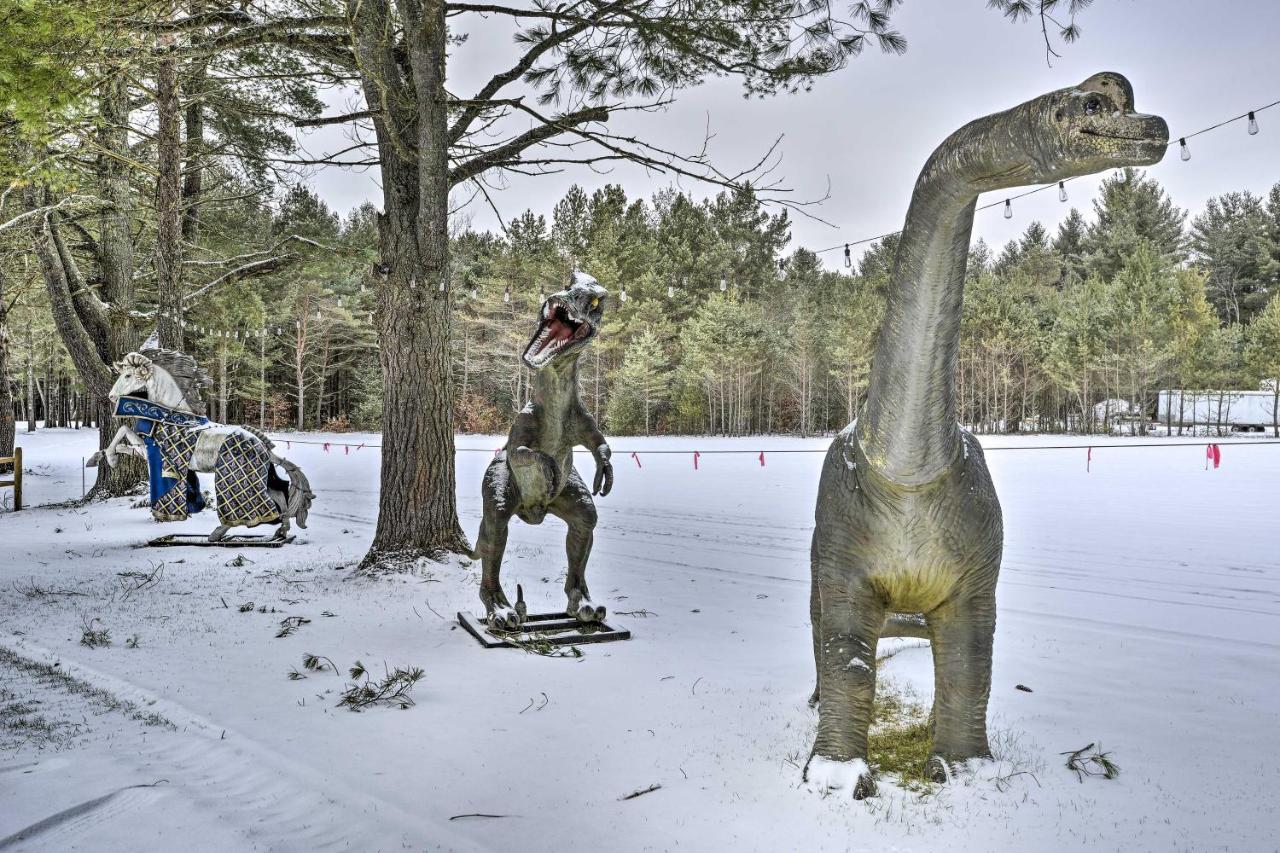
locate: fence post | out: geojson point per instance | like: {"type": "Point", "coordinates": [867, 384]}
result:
{"type": "Point", "coordinates": [17, 479]}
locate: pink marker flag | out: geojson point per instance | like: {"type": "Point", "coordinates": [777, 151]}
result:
{"type": "Point", "coordinates": [1088, 461]}
{"type": "Point", "coordinates": [326, 447]}
{"type": "Point", "coordinates": [1212, 453]}
{"type": "Point", "coordinates": [346, 450]}
{"type": "Point", "coordinates": [636, 456]}
{"type": "Point", "coordinates": [761, 458]}
{"type": "Point", "coordinates": [696, 454]}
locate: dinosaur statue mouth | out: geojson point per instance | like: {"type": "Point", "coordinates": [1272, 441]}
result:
{"type": "Point", "coordinates": [1099, 133]}
{"type": "Point", "coordinates": [560, 328]}
{"type": "Point", "coordinates": [1139, 143]}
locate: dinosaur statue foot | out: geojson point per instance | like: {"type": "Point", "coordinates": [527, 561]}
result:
{"type": "Point", "coordinates": [506, 619]}
{"type": "Point", "coordinates": [219, 533]}
{"type": "Point", "coordinates": [938, 769]}
{"type": "Point", "coordinates": [585, 610]}
{"type": "Point", "coordinates": [825, 776]}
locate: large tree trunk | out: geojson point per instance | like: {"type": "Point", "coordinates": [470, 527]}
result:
{"type": "Point", "coordinates": [417, 512]}
{"type": "Point", "coordinates": [116, 264]}
{"type": "Point", "coordinates": [168, 260]}
{"type": "Point", "coordinates": [7, 424]}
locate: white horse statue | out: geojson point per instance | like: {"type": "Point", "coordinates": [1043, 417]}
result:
{"type": "Point", "coordinates": [158, 395]}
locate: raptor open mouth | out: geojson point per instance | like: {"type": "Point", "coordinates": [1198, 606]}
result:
{"type": "Point", "coordinates": [561, 327]}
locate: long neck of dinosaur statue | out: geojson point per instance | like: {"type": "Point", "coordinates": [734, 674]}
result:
{"type": "Point", "coordinates": [908, 429]}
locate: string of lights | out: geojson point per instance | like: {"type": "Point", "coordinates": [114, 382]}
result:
{"type": "Point", "coordinates": [1249, 116]}
{"type": "Point", "coordinates": [1007, 203]}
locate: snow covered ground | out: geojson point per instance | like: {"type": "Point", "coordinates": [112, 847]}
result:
{"type": "Point", "coordinates": [1140, 602]}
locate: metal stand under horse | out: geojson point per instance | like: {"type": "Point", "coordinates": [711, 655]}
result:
{"type": "Point", "coordinates": [240, 540]}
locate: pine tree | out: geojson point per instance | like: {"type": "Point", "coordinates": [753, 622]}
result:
{"type": "Point", "coordinates": [1262, 355]}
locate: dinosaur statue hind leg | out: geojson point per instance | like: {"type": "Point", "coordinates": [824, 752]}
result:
{"type": "Point", "coordinates": [491, 543]}
{"type": "Point", "coordinates": [848, 630]}
{"type": "Point", "coordinates": [961, 637]}
{"type": "Point", "coordinates": [575, 507]}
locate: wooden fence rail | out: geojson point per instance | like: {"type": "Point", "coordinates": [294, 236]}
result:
{"type": "Point", "coordinates": [16, 482]}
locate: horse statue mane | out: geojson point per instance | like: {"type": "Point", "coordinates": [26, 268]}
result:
{"type": "Point", "coordinates": [188, 376]}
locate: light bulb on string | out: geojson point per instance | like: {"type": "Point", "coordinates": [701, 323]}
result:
{"type": "Point", "coordinates": [1008, 209]}
{"type": "Point", "coordinates": [1062, 191]}
{"type": "Point", "coordinates": [506, 295]}
{"type": "Point", "coordinates": [1253, 124]}
{"type": "Point", "coordinates": [724, 284]}
{"type": "Point", "coordinates": [623, 295]}
{"type": "Point", "coordinates": [475, 292]}
{"type": "Point", "coordinates": [848, 257]}
{"type": "Point", "coordinates": [1186, 152]}
{"type": "Point", "coordinates": [671, 291]}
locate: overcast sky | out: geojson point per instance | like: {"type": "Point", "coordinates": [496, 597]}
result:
{"type": "Point", "coordinates": [868, 129]}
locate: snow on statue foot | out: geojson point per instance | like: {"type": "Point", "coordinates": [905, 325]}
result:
{"type": "Point", "coordinates": [937, 769]}
{"type": "Point", "coordinates": [583, 609]}
{"type": "Point", "coordinates": [826, 776]}
{"type": "Point", "coordinates": [502, 615]}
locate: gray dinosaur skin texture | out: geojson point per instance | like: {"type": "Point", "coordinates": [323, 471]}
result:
{"type": "Point", "coordinates": [534, 475]}
{"type": "Point", "coordinates": [908, 535]}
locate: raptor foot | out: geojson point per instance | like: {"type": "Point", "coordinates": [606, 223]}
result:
{"type": "Point", "coordinates": [585, 610]}
{"type": "Point", "coordinates": [825, 776]}
{"type": "Point", "coordinates": [506, 619]}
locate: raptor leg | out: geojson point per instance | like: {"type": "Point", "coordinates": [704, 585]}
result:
{"type": "Point", "coordinates": [575, 507]}
{"type": "Point", "coordinates": [848, 630]}
{"type": "Point", "coordinates": [491, 544]}
{"type": "Point", "coordinates": [961, 637]}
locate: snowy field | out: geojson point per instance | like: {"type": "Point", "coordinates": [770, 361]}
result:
{"type": "Point", "coordinates": [1140, 602]}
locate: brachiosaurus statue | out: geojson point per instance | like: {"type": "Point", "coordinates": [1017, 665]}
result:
{"type": "Point", "coordinates": [907, 518]}
{"type": "Point", "coordinates": [534, 473]}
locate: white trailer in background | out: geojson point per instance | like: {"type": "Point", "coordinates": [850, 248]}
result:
{"type": "Point", "coordinates": [1237, 411]}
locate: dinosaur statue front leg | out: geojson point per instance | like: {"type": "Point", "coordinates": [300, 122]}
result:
{"type": "Point", "coordinates": [575, 507]}
{"type": "Point", "coordinates": [961, 636]}
{"type": "Point", "coordinates": [848, 631]}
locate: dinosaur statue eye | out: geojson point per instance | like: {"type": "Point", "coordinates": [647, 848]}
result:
{"type": "Point", "coordinates": [595, 303]}
{"type": "Point", "coordinates": [1092, 106]}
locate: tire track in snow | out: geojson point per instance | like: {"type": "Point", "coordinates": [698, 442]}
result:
{"type": "Point", "coordinates": [242, 784]}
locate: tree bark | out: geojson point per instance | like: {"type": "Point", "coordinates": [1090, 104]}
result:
{"type": "Point", "coordinates": [116, 264]}
{"type": "Point", "coordinates": [168, 260]}
{"type": "Point", "coordinates": [8, 425]}
{"type": "Point", "coordinates": [417, 512]}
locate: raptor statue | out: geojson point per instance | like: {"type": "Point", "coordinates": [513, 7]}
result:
{"type": "Point", "coordinates": [533, 474]}
{"type": "Point", "coordinates": [908, 535]}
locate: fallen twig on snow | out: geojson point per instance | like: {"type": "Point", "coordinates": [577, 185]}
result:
{"type": "Point", "coordinates": [1097, 764]}
{"type": "Point", "coordinates": [649, 790]}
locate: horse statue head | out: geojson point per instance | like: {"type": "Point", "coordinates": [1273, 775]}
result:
{"type": "Point", "coordinates": [164, 376]}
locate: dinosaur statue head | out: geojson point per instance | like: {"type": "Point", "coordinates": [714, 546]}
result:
{"type": "Point", "coordinates": [567, 322]}
{"type": "Point", "coordinates": [1079, 130]}
{"type": "Point", "coordinates": [1093, 126]}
